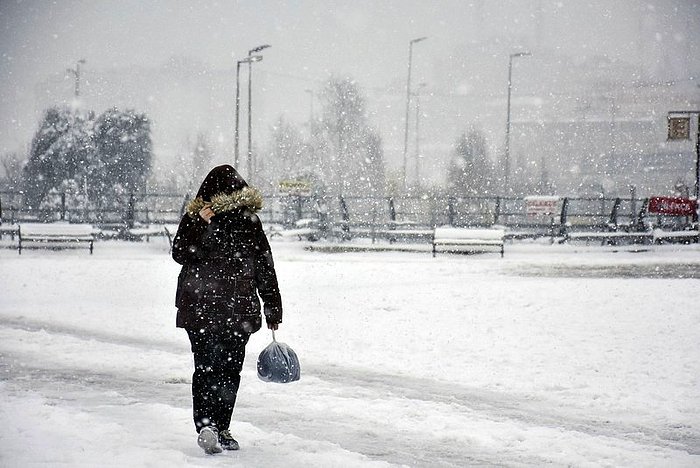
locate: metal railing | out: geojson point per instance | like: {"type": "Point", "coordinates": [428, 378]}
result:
{"type": "Point", "coordinates": [351, 213]}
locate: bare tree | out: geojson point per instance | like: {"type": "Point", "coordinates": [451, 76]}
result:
{"type": "Point", "coordinates": [358, 157]}
{"type": "Point", "coordinates": [12, 164]}
{"type": "Point", "coordinates": [470, 171]}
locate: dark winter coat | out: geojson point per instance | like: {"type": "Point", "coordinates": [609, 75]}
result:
{"type": "Point", "coordinates": [225, 263]}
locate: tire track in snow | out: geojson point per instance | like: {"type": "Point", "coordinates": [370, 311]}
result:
{"type": "Point", "coordinates": [30, 325]}
{"type": "Point", "coordinates": [67, 386]}
{"type": "Point", "coordinates": [502, 407]}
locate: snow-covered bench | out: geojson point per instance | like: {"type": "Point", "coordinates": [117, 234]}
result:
{"type": "Point", "coordinates": [684, 237]}
{"type": "Point", "coordinates": [153, 230]}
{"type": "Point", "coordinates": [9, 229]}
{"type": "Point", "coordinates": [610, 237]}
{"type": "Point", "coordinates": [406, 231]}
{"type": "Point", "coordinates": [304, 229]}
{"type": "Point", "coordinates": [394, 235]}
{"type": "Point", "coordinates": [55, 235]}
{"type": "Point", "coordinates": [451, 239]}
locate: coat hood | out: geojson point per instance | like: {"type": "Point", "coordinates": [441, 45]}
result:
{"type": "Point", "coordinates": [221, 179]}
{"type": "Point", "coordinates": [247, 198]}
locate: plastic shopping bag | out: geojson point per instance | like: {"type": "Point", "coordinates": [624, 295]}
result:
{"type": "Point", "coordinates": [278, 363]}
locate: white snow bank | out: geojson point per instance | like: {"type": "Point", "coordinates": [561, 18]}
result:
{"type": "Point", "coordinates": [554, 354]}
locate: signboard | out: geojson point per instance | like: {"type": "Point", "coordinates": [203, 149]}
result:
{"type": "Point", "coordinates": [296, 187]}
{"type": "Point", "coordinates": [672, 206]}
{"type": "Point", "coordinates": [536, 205]}
{"type": "Point", "coordinates": [679, 128]}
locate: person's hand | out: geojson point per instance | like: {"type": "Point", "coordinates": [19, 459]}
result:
{"type": "Point", "coordinates": [273, 326]}
{"type": "Point", "coordinates": [206, 214]}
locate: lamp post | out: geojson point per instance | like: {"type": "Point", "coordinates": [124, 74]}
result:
{"type": "Point", "coordinates": [408, 105]}
{"type": "Point", "coordinates": [76, 72]}
{"type": "Point", "coordinates": [250, 106]}
{"type": "Point", "coordinates": [506, 158]}
{"type": "Point", "coordinates": [418, 155]}
{"type": "Point", "coordinates": [679, 129]}
{"type": "Point", "coordinates": [254, 58]}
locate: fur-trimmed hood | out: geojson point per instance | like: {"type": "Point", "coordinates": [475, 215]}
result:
{"type": "Point", "coordinates": [247, 197]}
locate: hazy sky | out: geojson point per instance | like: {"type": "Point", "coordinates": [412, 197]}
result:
{"type": "Point", "coordinates": [314, 38]}
{"type": "Point", "coordinates": [365, 38]}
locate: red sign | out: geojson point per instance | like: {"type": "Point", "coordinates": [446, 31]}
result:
{"type": "Point", "coordinates": [541, 205]}
{"type": "Point", "coordinates": [672, 206]}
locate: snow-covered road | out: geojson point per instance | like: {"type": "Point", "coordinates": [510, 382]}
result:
{"type": "Point", "coordinates": [406, 360]}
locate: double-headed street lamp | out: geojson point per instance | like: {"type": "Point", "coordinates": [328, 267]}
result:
{"type": "Point", "coordinates": [250, 100]}
{"type": "Point", "coordinates": [408, 105]}
{"type": "Point", "coordinates": [76, 72]}
{"type": "Point", "coordinates": [506, 158]}
{"type": "Point", "coordinates": [249, 60]}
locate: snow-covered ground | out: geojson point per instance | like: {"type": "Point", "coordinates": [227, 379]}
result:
{"type": "Point", "coordinates": [553, 355]}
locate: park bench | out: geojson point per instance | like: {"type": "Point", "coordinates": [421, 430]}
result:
{"type": "Point", "coordinates": [406, 231]}
{"type": "Point", "coordinates": [153, 230]}
{"type": "Point", "coordinates": [609, 237]}
{"type": "Point", "coordinates": [9, 229]}
{"type": "Point", "coordinates": [452, 239]}
{"type": "Point", "coordinates": [304, 229]}
{"type": "Point", "coordinates": [55, 235]}
{"type": "Point", "coordinates": [689, 236]}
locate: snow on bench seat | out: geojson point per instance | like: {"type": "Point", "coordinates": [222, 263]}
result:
{"type": "Point", "coordinates": [11, 229]}
{"type": "Point", "coordinates": [609, 237]}
{"type": "Point", "coordinates": [689, 236]}
{"type": "Point", "coordinates": [56, 235]}
{"type": "Point", "coordinates": [406, 234]}
{"type": "Point", "coordinates": [466, 239]}
{"type": "Point", "coordinates": [154, 230]}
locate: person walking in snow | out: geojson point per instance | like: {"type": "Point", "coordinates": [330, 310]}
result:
{"type": "Point", "coordinates": [226, 263]}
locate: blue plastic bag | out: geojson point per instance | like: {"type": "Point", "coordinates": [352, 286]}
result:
{"type": "Point", "coordinates": [278, 363]}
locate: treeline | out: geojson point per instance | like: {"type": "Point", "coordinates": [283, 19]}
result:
{"type": "Point", "coordinates": [108, 157]}
{"type": "Point", "coordinates": [340, 152]}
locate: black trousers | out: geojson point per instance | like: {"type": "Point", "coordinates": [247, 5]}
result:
{"type": "Point", "coordinates": [218, 360]}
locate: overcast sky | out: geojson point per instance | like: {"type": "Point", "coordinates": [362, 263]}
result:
{"type": "Point", "coordinates": [314, 38]}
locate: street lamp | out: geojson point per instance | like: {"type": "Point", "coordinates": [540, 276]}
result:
{"type": "Point", "coordinates": [76, 72]}
{"type": "Point", "coordinates": [408, 105]}
{"type": "Point", "coordinates": [249, 60]}
{"type": "Point", "coordinates": [250, 98]}
{"type": "Point", "coordinates": [510, 87]}
{"type": "Point", "coordinates": [679, 129]}
{"type": "Point", "coordinates": [418, 155]}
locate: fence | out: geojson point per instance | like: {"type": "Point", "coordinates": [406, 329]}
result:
{"type": "Point", "coordinates": [353, 214]}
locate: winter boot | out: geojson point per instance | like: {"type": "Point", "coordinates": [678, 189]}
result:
{"type": "Point", "coordinates": [227, 441]}
{"type": "Point", "coordinates": [208, 439]}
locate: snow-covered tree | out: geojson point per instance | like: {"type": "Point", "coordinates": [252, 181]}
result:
{"type": "Point", "coordinates": [62, 149]}
{"type": "Point", "coordinates": [123, 140]}
{"type": "Point", "coordinates": [90, 158]}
